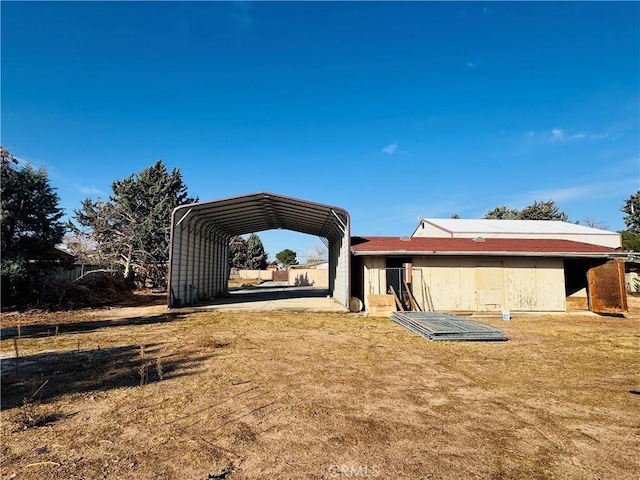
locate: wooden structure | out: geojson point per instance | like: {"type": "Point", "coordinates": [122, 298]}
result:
{"type": "Point", "coordinates": [490, 275]}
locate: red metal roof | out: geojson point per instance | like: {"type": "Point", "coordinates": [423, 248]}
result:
{"type": "Point", "coordinates": [462, 246]}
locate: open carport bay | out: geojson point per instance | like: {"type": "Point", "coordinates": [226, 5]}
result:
{"type": "Point", "coordinates": [200, 235]}
{"type": "Point", "coordinates": [273, 296]}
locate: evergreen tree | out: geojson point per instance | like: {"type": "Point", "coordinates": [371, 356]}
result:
{"type": "Point", "coordinates": [631, 236]}
{"type": "Point", "coordinates": [543, 211]}
{"type": "Point", "coordinates": [132, 228]}
{"type": "Point", "coordinates": [536, 211]}
{"type": "Point", "coordinates": [502, 213]}
{"type": "Point", "coordinates": [256, 256]}
{"type": "Point", "coordinates": [631, 208]}
{"type": "Point", "coordinates": [237, 252]}
{"type": "Point", "coordinates": [630, 240]}
{"type": "Point", "coordinates": [31, 227]}
{"type": "Point", "coordinates": [287, 258]}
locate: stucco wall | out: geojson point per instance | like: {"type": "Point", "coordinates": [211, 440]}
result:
{"type": "Point", "coordinates": [315, 277]}
{"type": "Point", "coordinates": [250, 274]}
{"type": "Point", "coordinates": [479, 283]}
{"type": "Point", "coordinates": [312, 276]}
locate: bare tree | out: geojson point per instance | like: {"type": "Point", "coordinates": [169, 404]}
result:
{"type": "Point", "coordinates": [593, 223]}
{"type": "Point", "coordinates": [316, 254]}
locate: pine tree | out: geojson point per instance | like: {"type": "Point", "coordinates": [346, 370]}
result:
{"type": "Point", "coordinates": [256, 256]}
{"type": "Point", "coordinates": [237, 252]}
{"type": "Point", "coordinates": [287, 258]}
{"type": "Point", "coordinates": [536, 211]}
{"type": "Point", "coordinates": [631, 236]}
{"type": "Point", "coordinates": [502, 213]}
{"type": "Point", "coordinates": [543, 211]}
{"type": "Point", "coordinates": [31, 228]}
{"type": "Point", "coordinates": [132, 228]}
{"type": "Point", "coordinates": [631, 208]}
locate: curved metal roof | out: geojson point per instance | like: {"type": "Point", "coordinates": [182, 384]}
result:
{"type": "Point", "coordinates": [200, 233]}
{"type": "Point", "coordinates": [261, 211]}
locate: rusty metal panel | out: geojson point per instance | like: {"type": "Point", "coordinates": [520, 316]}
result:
{"type": "Point", "coordinates": [280, 275]}
{"type": "Point", "coordinates": [607, 293]}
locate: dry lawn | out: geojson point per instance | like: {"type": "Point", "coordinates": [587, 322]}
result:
{"type": "Point", "coordinates": [141, 393]}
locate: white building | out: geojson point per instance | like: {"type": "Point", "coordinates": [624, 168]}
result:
{"type": "Point", "coordinates": [532, 229]}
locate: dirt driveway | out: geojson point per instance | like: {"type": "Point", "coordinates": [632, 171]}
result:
{"type": "Point", "coordinates": [143, 393]}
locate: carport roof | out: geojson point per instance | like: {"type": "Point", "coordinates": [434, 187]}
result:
{"type": "Point", "coordinates": [261, 211]}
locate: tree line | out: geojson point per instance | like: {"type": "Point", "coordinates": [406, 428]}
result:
{"type": "Point", "coordinates": [129, 231]}
{"type": "Point", "coordinates": [249, 254]}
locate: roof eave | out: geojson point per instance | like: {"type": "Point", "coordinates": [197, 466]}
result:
{"type": "Point", "coordinates": [485, 253]}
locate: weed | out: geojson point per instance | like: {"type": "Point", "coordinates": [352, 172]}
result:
{"type": "Point", "coordinates": [29, 416]}
{"type": "Point", "coordinates": [159, 368]}
{"type": "Point", "coordinates": [143, 371]}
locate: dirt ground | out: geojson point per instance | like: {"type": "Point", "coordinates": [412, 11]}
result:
{"type": "Point", "coordinates": [139, 392]}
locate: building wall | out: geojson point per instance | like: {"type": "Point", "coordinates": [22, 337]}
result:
{"type": "Point", "coordinates": [468, 283]}
{"type": "Point", "coordinates": [246, 274]}
{"type": "Point", "coordinates": [445, 283]}
{"type": "Point", "coordinates": [198, 264]}
{"type": "Point", "coordinates": [375, 277]}
{"type": "Point", "coordinates": [309, 277]}
{"type": "Point", "coordinates": [339, 280]}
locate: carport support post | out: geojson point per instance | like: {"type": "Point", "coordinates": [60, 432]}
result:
{"type": "Point", "coordinates": [209, 261]}
{"type": "Point", "coordinates": [201, 257]}
{"type": "Point", "coordinates": [186, 268]}
{"type": "Point", "coordinates": [217, 257]}
{"type": "Point", "coordinates": [225, 259]}
{"type": "Point", "coordinates": [172, 257]}
{"type": "Point", "coordinates": [200, 265]}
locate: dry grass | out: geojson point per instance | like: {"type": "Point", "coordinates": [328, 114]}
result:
{"type": "Point", "coordinates": [292, 395]}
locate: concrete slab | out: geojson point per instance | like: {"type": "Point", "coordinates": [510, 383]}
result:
{"type": "Point", "coordinates": [273, 296]}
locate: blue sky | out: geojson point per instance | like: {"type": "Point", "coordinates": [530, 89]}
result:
{"type": "Point", "coordinates": [390, 110]}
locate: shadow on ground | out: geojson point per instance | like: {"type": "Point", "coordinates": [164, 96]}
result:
{"type": "Point", "coordinates": [44, 376]}
{"type": "Point", "coordinates": [265, 294]}
{"type": "Point", "coordinates": [46, 330]}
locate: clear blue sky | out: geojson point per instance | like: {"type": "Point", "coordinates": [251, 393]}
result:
{"type": "Point", "coordinates": [391, 110]}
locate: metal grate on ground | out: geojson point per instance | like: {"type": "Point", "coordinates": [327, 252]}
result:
{"type": "Point", "coordinates": [443, 326]}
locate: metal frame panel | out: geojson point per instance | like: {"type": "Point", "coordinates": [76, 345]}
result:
{"type": "Point", "coordinates": [444, 326]}
{"type": "Point", "coordinates": [200, 233]}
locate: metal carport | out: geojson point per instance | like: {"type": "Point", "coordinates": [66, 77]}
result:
{"type": "Point", "coordinates": [200, 233]}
